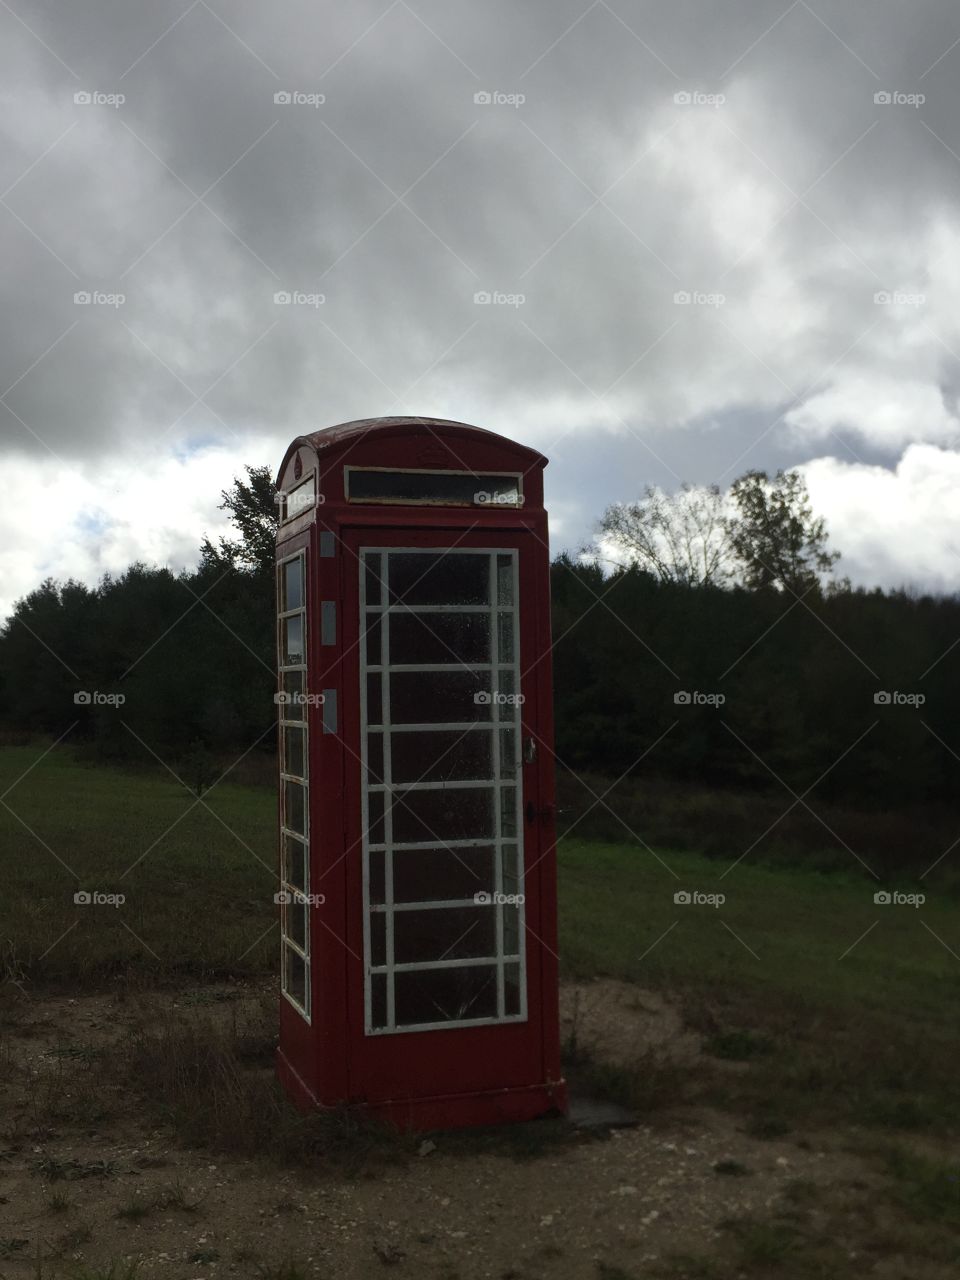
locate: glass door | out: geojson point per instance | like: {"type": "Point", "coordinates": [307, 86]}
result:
{"type": "Point", "coordinates": [440, 705]}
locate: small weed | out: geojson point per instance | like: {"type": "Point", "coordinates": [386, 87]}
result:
{"type": "Point", "coordinates": [732, 1168]}
{"type": "Point", "coordinates": [929, 1190]}
{"type": "Point", "coordinates": [117, 1269]}
{"type": "Point", "coordinates": [203, 1257]}
{"type": "Point", "coordinates": [56, 1170]}
{"type": "Point", "coordinates": [134, 1211]}
{"type": "Point", "coordinates": [282, 1271]}
{"type": "Point", "coordinates": [175, 1197]}
{"type": "Point", "coordinates": [763, 1244]}
{"type": "Point", "coordinates": [11, 1245]}
{"type": "Point", "coordinates": [59, 1202]}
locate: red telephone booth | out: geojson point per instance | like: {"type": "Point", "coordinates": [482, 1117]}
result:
{"type": "Point", "coordinates": [418, 864]}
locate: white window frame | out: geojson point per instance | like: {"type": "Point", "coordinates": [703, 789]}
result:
{"type": "Point", "coordinates": [498, 962]}
{"type": "Point", "coordinates": [303, 780]}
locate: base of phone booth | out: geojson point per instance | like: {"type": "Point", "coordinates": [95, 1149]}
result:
{"type": "Point", "coordinates": [450, 1111]}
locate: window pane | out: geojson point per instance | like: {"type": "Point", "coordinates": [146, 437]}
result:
{"type": "Point", "coordinates": [428, 697]}
{"type": "Point", "coordinates": [295, 923]}
{"type": "Point", "coordinates": [439, 995]}
{"type": "Point", "coordinates": [439, 637]}
{"type": "Point", "coordinates": [302, 498]}
{"type": "Point", "coordinates": [455, 814]}
{"type": "Point", "coordinates": [293, 750]}
{"type": "Point", "coordinates": [440, 755]}
{"type": "Point", "coordinates": [375, 811]}
{"type": "Point", "coordinates": [454, 577]}
{"type": "Point", "coordinates": [292, 708]}
{"type": "Point", "coordinates": [373, 651]}
{"type": "Point", "coordinates": [378, 937]}
{"type": "Point", "coordinates": [378, 890]}
{"type": "Point", "coordinates": [507, 707]}
{"type": "Point", "coordinates": [505, 637]}
{"type": "Point", "coordinates": [508, 753]}
{"type": "Point", "coordinates": [438, 487]}
{"type": "Point", "coordinates": [511, 989]}
{"type": "Point", "coordinates": [293, 639]}
{"type": "Point", "coordinates": [378, 999]}
{"type": "Point", "coordinates": [511, 930]}
{"type": "Point", "coordinates": [456, 933]}
{"type": "Point", "coordinates": [373, 570]}
{"type": "Point", "coordinates": [374, 758]}
{"type": "Point", "coordinates": [294, 807]}
{"type": "Point", "coordinates": [508, 812]}
{"type": "Point", "coordinates": [375, 698]}
{"type": "Point", "coordinates": [292, 585]}
{"type": "Point", "coordinates": [432, 875]}
{"type": "Point", "coordinates": [294, 863]}
{"type": "Point", "coordinates": [510, 883]}
{"type": "Point", "coordinates": [295, 975]}
{"type": "Point", "coordinates": [505, 579]}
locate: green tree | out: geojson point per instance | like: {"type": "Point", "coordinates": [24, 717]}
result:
{"type": "Point", "coordinates": [253, 508]}
{"type": "Point", "coordinates": [775, 535]}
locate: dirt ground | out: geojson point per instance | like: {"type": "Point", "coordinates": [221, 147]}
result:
{"type": "Point", "coordinates": [625, 1198]}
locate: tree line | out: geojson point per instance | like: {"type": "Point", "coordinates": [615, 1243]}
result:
{"type": "Point", "coordinates": [717, 649]}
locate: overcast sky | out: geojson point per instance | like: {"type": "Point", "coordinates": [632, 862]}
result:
{"type": "Point", "coordinates": [790, 168]}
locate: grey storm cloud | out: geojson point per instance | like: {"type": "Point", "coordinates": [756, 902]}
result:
{"type": "Point", "coordinates": [684, 217]}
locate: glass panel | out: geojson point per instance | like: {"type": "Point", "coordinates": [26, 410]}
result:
{"type": "Point", "coordinates": [293, 868]}
{"type": "Point", "coordinates": [292, 585]}
{"type": "Point", "coordinates": [440, 755]}
{"type": "Point", "coordinates": [450, 814]}
{"type": "Point", "coordinates": [295, 973]}
{"type": "Point", "coordinates": [378, 890]}
{"type": "Point", "coordinates": [505, 579]}
{"type": "Point", "coordinates": [427, 697]}
{"type": "Point", "coordinates": [378, 999]}
{"type": "Point", "coordinates": [375, 808]}
{"type": "Point", "coordinates": [508, 753]}
{"type": "Point", "coordinates": [375, 758]}
{"type": "Point", "coordinates": [506, 695]}
{"type": "Point", "coordinates": [293, 750]}
{"type": "Point", "coordinates": [295, 923]}
{"type": "Point", "coordinates": [292, 708]}
{"type": "Point", "coordinates": [294, 807]}
{"type": "Point", "coordinates": [446, 995]}
{"type": "Point", "coordinates": [302, 498]}
{"type": "Point", "coordinates": [505, 637]}
{"type": "Point", "coordinates": [511, 989]}
{"type": "Point", "coordinates": [373, 562]}
{"type": "Point", "coordinates": [456, 933]}
{"type": "Point", "coordinates": [375, 698]}
{"type": "Point", "coordinates": [439, 637]}
{"type": "Point", "coordinates": [292, 639]}
{"type": "Point", "coordinates": [511, 930]}
{"type": "Point", "coordinates": [449, 578]}
{"type": "Point", "coordinates": [432, 875]}
{"type": "Point", "coordinates": [508, 813]}
{"type": "Point", "coordinates": [373, 633]}
{"type": "Point", "coordinates": [510, 883]}
{"type": "Point", "coordinates": [378, 937]}
{"type": "Point", "coordinates": [456, 488]}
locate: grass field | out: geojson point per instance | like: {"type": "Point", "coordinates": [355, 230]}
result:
{"type": "Point", "coordinates": [830, 992]}
{"type": "Point", "coordinates": [839, 1011]}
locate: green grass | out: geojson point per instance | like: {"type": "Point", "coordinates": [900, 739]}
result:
{"type": "Point", "coordinates": [810, 998]}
